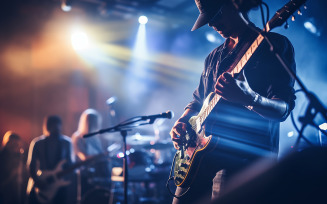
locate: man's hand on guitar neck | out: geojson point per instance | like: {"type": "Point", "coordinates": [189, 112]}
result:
{"type": "Point", "coordinates": [180, 127]}
{"type": "Point", "coordinates": [240, 92]}
{"type": "Point", "coordinates": [234, 90]}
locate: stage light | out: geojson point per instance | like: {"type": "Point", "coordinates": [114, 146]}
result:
{"type": "Point", "coordinates": [290, 134]}
{"type": "Point", "coordinates": [66, 5]}
{"type": "Point", "coordinates": [120, 155]}
{"type": "Point", "coordinates": [213, 37]}
{"type": "Point", "coordinates": [111, 100]}
{"type": "Point", "coordinates": [143, 20]}
{"type": "Point", "coordinates": [310, 25]}
{"type": "Point", "coordinates": [322, 136]}
{"type": "Point", "coordinates": [323, 126]}
{"type": "Point", "coordinates": [140, 48]}
{"type": "Point", "coordinates": [79, 40]}
{"type": "Point", "coordinates": [210, 37]}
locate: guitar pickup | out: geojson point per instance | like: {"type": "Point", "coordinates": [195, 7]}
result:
{"type": "Point", "coordinates": [183, 173]}
{"type": "Point", "coordinates": [184, 165]}
{"type": "Point", "coordinates": [179, 179]}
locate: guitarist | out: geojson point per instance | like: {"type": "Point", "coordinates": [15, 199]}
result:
{"type": "Point", "coordinates": [254, 102]}
{"type": "Point", "coordinates": [44, 154]}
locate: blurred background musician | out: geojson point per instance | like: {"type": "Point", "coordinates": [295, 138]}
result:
{"type": "Point", "coordinates": [49, 152]}
{"type": "Point", "coordinates": [13, 174]}
{"type": "Point", "coordinates": [96, 173]}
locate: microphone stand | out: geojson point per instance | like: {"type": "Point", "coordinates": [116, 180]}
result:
{"type": "Point", "coordinates": [314, 107]}
{"type": "Point", "coordinates": [123, 127]}
{"type": "Point", "coordinates": [125, 165]}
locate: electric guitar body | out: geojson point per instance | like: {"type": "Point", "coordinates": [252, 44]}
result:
{"type": "Point", "coordinates": [54, 179]}
{"type": "Point", "coordinates": [54, 182]}
{"type": "Point", "coordinates": [197, 145]}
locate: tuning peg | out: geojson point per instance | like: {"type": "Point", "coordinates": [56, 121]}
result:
{"type": "Point", "coordinates": [299, 12]}
{"type": "Point", "coordinates": [293, 18]}
{"type": "Point", "coordinates": [286, 25]}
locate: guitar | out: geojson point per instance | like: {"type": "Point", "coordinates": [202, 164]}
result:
{"type": "Point", "coordinates": [54, 178]}
{"type": "Point", "coordinates": [195, 144]}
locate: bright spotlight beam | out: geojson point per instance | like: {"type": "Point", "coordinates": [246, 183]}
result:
{"type": "Point", "coordinates": [79, 40]}
{"type": "Point", "coordinates": [143, 20]}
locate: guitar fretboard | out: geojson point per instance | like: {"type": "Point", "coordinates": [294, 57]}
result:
{"type": "Point", "coordinates": [237, 69]}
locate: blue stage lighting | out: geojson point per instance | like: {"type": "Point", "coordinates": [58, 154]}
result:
{"type": "Point", "coordinates": [311, 27]}
{"type": "Point", "coordinates": [143, 20]}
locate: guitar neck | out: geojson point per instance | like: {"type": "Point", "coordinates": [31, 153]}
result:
{"type": "Point", "coordinates": [246, 57]}
{"type": "Point", "coordinates": [236, 69]}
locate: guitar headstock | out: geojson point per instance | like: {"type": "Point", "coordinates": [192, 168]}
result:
{"type": "Point", "coordinates": [284, 13]}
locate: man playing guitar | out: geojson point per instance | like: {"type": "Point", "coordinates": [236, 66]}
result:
{"type": "Point", "coordinates": [253, 101]}
{"type": "Point", "coordinates": [48, 156]}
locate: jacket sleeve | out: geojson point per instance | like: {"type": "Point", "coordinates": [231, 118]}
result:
{"type": "Point", "coordinates": [199, 92]}
{"type": "Point", "coordinates": [281, 82]}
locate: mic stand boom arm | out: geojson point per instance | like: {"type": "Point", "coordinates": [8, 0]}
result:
{"type": "Point", "coordinates": [123, 127]}
{"type": "Point", "coordinates": [315, 106]}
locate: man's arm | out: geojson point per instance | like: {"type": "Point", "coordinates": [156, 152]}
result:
{"type": "Point", "coordinates": [33, 163]}
{"type": "Point", "coordinates": [79, 148]}
{"type": "Point", "coordinates": [32, 159]}
{"type": "Point", "coordinates": [278, 102]}
{"type": "Point", "coordinates": [240, 92]}
{"type": "Point", "coordinates": [179, 128]}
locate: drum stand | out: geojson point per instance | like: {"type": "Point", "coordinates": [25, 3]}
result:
{"type": "Point", "coordinates": [125, 126]}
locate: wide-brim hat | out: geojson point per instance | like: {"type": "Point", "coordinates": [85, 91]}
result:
{"type": "Point", "coordinates": [208, 9]}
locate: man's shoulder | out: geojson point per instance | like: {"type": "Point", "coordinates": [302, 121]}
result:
{"type": "Point", "coordinates": [39, 139]}
{"type": "Point", "coordinates": [65, 138]}
{"type": "Point", "coordinates": [280, 42]}
{"type": "Point", "coordinates": [277, 37]}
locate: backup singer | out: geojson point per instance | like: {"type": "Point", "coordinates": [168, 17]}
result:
{"type": "Point", "coordinates": [253, 102]}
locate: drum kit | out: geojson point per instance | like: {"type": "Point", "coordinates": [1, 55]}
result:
{"type": "Point", "coordinates": [149, 161]}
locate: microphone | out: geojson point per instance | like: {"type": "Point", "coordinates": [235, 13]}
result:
{"type": "Point", "coordinates": [246, 5]}
{"type": "Point", "coordinates": [168, 114]}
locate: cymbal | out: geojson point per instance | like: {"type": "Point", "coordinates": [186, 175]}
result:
{"type": "Point", "coordinates": [159, 145]}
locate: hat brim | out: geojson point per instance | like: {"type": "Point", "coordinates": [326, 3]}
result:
{"type": "Point", "coordinates": [202, 19]}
